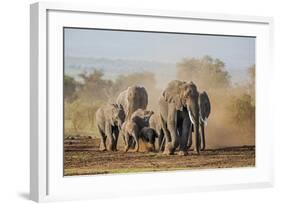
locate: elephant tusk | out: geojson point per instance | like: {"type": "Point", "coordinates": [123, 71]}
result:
{"type": "Point", "coordinates": [190, 116]}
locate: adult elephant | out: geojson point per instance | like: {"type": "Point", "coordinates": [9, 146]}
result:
{"type": "Point", "coordinates": [109, 119]}
{"type": "Point", "coordinates": [204, 112]}
{"type": "Point", "coordinates": [133, 98]}
{"type": "Point", "coordinates": [179, 101]}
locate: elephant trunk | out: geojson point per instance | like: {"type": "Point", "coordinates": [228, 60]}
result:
{"type": "Point", "coordinates": [193, 112]}
{"type": "Point", "coordinates": [150, 147]}
{"type": "Point", "coordinates": [130, 111]}
{"type": "Point", "coordinates": [202, 148]}
{"type": "Point", "coordinates": [197, 136]}
{"type": "Point", "coordinates": [120, 124]}
{"type": "Point", "coordinates": [153, 147]}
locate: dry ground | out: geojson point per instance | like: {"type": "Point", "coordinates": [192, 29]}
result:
{"type": "Point", "coordinates": [82, 157]}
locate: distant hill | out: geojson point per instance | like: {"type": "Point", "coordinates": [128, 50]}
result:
{"type": "Point", "coordinates": [111, 68]}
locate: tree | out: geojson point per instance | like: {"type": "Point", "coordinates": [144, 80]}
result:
{"type": "Point", "coordinates": [252, 83]}
{"type": "Point", "coordinates": [145, 79]}
{"type": "Point", "coordinates": [242, 105]}
{"type": "Point", "coordinates": [94, 88]}
{"type": "Point", "coordinates": [69, 88]}
{"type": "Point", "coordinates": [242, 109]}
{"type": "Point", "coordinates": [205, 72]}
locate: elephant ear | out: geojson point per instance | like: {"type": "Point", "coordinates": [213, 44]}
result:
{"type": "Point", "coordinates": [205, 105]}
{"type": "Point", "coordinates": [144, 98]}
{"type": "Point", "coordinates": [172, 93]}
{"type": "Point", "coordinates": [114, 108]}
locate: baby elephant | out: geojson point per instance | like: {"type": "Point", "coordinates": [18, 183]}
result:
{"type": "Point", "coordinates": [132, 127]}
{"type": "Point", "coordinates": [109, 119]}
{"type": "Point", "coordinates": [148, 135]}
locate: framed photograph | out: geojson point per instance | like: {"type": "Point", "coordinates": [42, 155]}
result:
{"type": "Point", "coordinates": [147, 101]}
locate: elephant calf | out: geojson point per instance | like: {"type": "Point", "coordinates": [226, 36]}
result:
{"type": "Point", "coordinates": [148, 135]}
{"type": "Point", "coordinates": [131, 128]}
{"type": "Point", "coordinates": [155, 123]}
{"type": "Point", "coordinates": [109, 119]}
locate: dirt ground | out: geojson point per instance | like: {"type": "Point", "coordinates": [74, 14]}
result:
{"type": "Point", "coordinates": [82, 157]}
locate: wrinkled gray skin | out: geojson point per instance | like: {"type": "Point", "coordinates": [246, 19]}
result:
{"type": "Point", "coordinates": [133, 98]}
{"type": "Point", "coordinates": [204, 112]}
{"type": "Point", "coordinates": [131, 128]}
{"type": "Point", "coordinates": [184, 129]}
{"type": "Point", "coordinates": [178, 102]}
{"type": "Point", "coordinates": [155, 123]}
{"type": "Point", "coordinates": [109, 119]}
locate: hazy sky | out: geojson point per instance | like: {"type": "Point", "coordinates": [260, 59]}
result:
{"type": "Point", "coordinates": [235, 52]}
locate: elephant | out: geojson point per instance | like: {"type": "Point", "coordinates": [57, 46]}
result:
{"type": "Point", "coordinates": [184, 130]}
{"type": "Point", "coordinates": [109, 119]}
{"type": "Point", "coordinates": [148, 135]}
{"type": "Point", "coordinates": [155, 123]}
{"type": "Point", "coordinates": [131, 128]}
{"type": "Point", "coordinates": [204, 112]}
{"type": "Point", "coordinates": [133, 98]}
{"type": "Point", "coordinates": [179, 104]}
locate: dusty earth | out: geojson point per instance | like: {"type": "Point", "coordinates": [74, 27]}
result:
{"type": "Point", "coordinates": [82, 157]}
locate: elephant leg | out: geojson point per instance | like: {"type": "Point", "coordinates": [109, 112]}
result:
{"type": "Point", "coordinates": [189, 141]}
{"type": "Point", "coordinates": [179, 131]}
{"type": "Point", "coordinates": [165, 131]}
{"type": "Point", "coordinates": [135, 136]}
{"type": "Point", "coordinates": [126, 139]}
{"type": "Point", "coordinates": [132, 143]}
{"type": "Point", "coordinates": [166, 142]}
{"type": "Point", "coordinates": [161, 141]}
{"type": "Point", "coordinates": [162, 145]}
{"type": "Point", "coordinates": [103, 139]}
{"type": "Point", "coordinates": [184, 137]}
{"type": "Point", "coordinates": [108, 132]}
{"type": "Point", "coordinates": [115, 137]}
{"type": "Point", "coordinates": [171, 125]}
{"type": "Point", "coordinates": [123, 137]}
{"type": "Point", "coordinates": [166, 139]}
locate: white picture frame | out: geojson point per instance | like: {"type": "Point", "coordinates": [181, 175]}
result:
{"type": "Point", "coordinates": [47, 182]}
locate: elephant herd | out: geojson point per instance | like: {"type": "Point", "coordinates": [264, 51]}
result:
{"type": "Point", "coordinates": [182, 111]}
